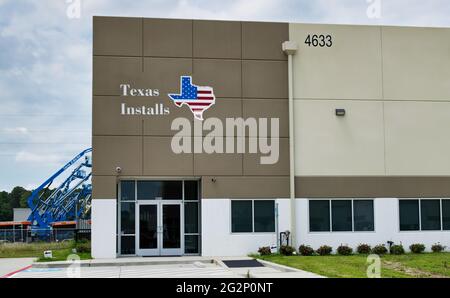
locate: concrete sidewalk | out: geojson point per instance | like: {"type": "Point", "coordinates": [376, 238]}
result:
{"type": "Point", "coordinates": [8, 266]}
{"type": "Point", "coordinates": [182, 267]}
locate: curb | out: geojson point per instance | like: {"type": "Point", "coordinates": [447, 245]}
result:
{"type": "Point", "coordinates": [66, 264]}
{"type": "Point", "coordinates": [15, 272]}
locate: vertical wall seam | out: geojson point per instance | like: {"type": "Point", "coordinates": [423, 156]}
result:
{"type": "Point", "coordinates": [242, 92]}
{"type": "Point", "coordinates": [142, 44]}
{"type": "Point", "coordinates": [382, 97]}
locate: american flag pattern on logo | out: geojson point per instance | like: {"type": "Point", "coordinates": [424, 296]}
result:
{"type": "Point", "coordinates": [197, 98]}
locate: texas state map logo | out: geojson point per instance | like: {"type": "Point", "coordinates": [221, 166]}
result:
{"type": "Point", "coordinates": [197, 98]}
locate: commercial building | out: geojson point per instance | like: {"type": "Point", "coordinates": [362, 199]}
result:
{"type": "Point", "coordinates": [191, 138]}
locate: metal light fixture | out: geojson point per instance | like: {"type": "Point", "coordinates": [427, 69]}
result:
{"type": "Point", "coordinates": [340, 112]}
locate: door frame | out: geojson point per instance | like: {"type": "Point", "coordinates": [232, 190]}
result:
{"type": "Point", "coordinates": [160, 250]}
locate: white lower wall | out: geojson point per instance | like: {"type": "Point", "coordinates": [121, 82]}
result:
{"type": "Point", "coordinates": [387, 228]}
{"type": "Point", "coordinates": [103, 231]}
{"type": "Point", "coordinates": [217, 239]}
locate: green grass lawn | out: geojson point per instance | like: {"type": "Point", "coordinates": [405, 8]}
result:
{"type": "Point", "coordinates": [60, 250]}
{"type": "Point", "coordinates": [355, 266]}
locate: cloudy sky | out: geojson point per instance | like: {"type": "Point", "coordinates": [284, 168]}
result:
{"type": "Point", "coordinates": [45, 63]}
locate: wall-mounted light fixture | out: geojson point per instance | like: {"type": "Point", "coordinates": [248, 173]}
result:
{"type": "Point", "coordinates": [340, 112]}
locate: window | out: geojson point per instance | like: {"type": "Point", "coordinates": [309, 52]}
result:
{"type": "Point", "coordinates": [264, 216]}
{"type": "Point", "coordinates": [319, 216]}
{"type": "Point", "coordinates": [241, 216]}
{"type": "Point", "coordinates": [424, 215]}
{"type": "Point", "coordinates": [164, 190]}
{"type": "Point", "coordinates": [430, 211]}
{"type": "Point", "coordinates": [341, 216]}
{"type": "Point", "coordinates": [446, 215]}
{"type": "Point", "coordinates": [191, 190]}
{"type": "Point", "coordinates": [127, 191]}
{"type": "Point", "coordinates": [249, 216]}
{"type": "Point", "coordinates": [409, 215]}
{"type": "Point", "coordinates": [363, 215]}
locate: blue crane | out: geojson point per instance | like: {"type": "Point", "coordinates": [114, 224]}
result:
{"type": "Point", "coordinates": [70, 200]}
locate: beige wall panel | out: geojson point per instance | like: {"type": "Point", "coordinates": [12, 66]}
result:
{"type": "Point", "coordinates": [107, 118]}
{"type": "Point", "coordinates": [223, 75]}
{"type": "Point", "coordinates": [111, 72]}
{"type": "Point", "coordinates": [117, 36]}
{"type": "Point", "coordinates": [416, 63]}
{"type": "Point", "coordinates": [417, 138]}
{"type": "Point", "coordinates": [167, 38]}
{"type": "Point", "coordinates": [350, 69]}
{"type": "Point", "coordinates": [264, 79]}
{"type": "Point", "coordinates": [253, 166]}
{"type": "Point", "coordinates": [245, 187]}
{"type": "Point", "coordinates": [104, 187]}
{"type": "Point", "coordinates": [217, 39]}
{"type": "Point", "coordinates": [262, 40]}
{"type": "Point", "coordinates": [164, 74]}
{"type": "Point", "coordinates": [329, 145]}
{"type": "Point", "coordinates": [160, 160]}
{"type": "Point", "coordinates": [268, 108]}
{"type": "Point", "coordinates": [218, 163]}
{"type": "Point", "coordinates": [110, 152]}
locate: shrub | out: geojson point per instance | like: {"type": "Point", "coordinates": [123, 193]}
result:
{"type": "Point", "coordinates": [417, 248]}
{"type": "Point", "coordinates": [397, 249]}
{"type": "Point", "coordinates": [344, 250]}
{"type": "Point", "coordinates": [264, 251]}
{"type": "Point", "coordinates": [379, 249]}
{"type": "Point", "coordinates": [83, 246]}
{"type": "Point", "coordinates": [363, 249]}
{"type": "Point", "coordinates": [287, 250]}
{"type": "Point", "coordinates": [437, 247]}
{"type": "Point", "coordinates": [306, 250]}
{"type": "Point", "coordinates": [324, 250]}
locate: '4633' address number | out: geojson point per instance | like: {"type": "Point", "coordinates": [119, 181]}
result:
{"type": "Point", "coordinates": [319, 40]}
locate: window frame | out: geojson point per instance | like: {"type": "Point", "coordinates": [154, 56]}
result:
{"type": "Point", "coordinates": [331, 217]}
{"type": "Point", "coordinates": [420, 215]}
{"type": "Point", "coordinates": [253, 217]}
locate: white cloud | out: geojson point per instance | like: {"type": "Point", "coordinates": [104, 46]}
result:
{"type": "Point", "coordinates": [30, 157]}
{"type": "Point", "coordinates": [15, 130]}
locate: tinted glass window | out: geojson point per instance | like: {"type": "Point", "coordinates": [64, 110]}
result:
{"type": "Point", "coordinates": [241, 216]}
{"type": "Point", "coordinates": [127, 215]}
{"type": "Point", "coordinates": [190, 217]}
{"type": "Point", "coordinates": [165, 190]}
{"type": "Point", "coordinates": [319, 216]}
{"type": "Point", "coordinates": [191, 244]}
{"type": "Point", "coordinates": [127, 245]}
{"type": "Point", "coordinates": [127, 191]}
{"type": "Point", "coordinates": [430, 211]}
{"type": "Point", "coordinates": [446, 214]}
{"type": "Point", "coordinates": [264, 214]}
{"type": "Point", "coordinates": [409, 215]}
{"type": "Point", "coordinates": [341, 215]}
{"type": "Point", "coordinates": [191, 190]}
{"type": "Point", "coordinates": [363, 215]}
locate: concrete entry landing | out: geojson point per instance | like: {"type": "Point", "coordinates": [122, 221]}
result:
{"type": "Point", "coordinates": [166, 267]}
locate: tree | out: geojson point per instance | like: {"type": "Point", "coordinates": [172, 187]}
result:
{"type": "Point", "coordinates": [6, 213]}
{"type": "Point", "coordinates": [18, 197]}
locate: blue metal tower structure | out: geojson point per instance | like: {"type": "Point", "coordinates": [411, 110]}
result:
{"type": "Point", "coordinates": [68, 201]}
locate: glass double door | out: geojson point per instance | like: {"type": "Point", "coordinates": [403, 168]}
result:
{"type": "Point", "coordinates": [159, 228]}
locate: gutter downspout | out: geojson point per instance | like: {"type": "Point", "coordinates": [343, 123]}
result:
{"type": "Point", "coordinates": [290, 48]}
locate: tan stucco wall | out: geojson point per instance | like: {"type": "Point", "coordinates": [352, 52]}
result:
{"type": "Point", "coordinates": [242, 61]}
